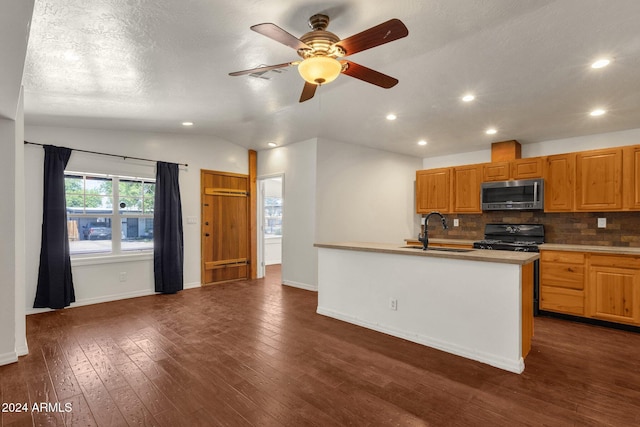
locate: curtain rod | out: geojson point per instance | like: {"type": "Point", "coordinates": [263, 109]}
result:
{"type": "Point", "coordinates": [106, 154]}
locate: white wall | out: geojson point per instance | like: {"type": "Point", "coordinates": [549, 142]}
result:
{"type": "Point", "coordinates": [364, 194]}
{"type": "Point", "coordinates": [298, 164]}
{"type": "Point", "coordinates": [456, 159]}
{"type": "Point", "coordinates": [7, 242]}
{"type": "Point", "coordinates": [100, 282]}
{"type": "Point", "coordinates": [582, 143]}
{"type": "Point", "coordinates": [544, 148]}
{"type": "Point", "coordinates": [20, 230]}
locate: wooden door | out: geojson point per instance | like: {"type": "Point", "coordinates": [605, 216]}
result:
{"type": "Point", "coordinates": [225, 227]}
{"type": "Point", "coordinates": [631, 177]}
{"type": "Point", "coordinates": [466, 189]}
{"type": "Point", "coordinates": [432, 190]}
{"type": "Point", "coordinates": [529, 168]}
{"type": "Point", "coordinates": [559, 181]}
{"type": "Point", "coordinates": [599, 180]}
{"type": "Point", "coordinates": [496, 171]}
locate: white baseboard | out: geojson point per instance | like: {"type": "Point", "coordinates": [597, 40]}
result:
{"type": "Point", "coordinates": [97, 300]}
{"type": "Point", "coordinates": [109, 298]}
{"type": "Point", "coordinates": [515, 366]}
{"type": "Point", "coordinates": [22, 349]}
{"type": "Point", "coordinates": [192, 285]}
{"type": "Point", "coordinates": [7, 358]}
{"type": "Point", "coordinates": [299, 285]}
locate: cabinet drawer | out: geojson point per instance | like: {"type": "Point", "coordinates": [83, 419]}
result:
{"type": "Point", "coordinates": [566, 301]}
{"type": "Point", "coordinates": [629, 261]}
{"type": "Point", "coordinates": [562, 256]}
{"type": "Point", "coordinates": [570, 276]}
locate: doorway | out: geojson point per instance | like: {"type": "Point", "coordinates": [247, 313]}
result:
{"type": "Point", "coordinates": [270, 216]}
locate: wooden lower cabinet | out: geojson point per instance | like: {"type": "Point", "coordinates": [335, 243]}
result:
{"type": "Point", "coordinates": [562, 282]}
{"type": "Point", "coordinates": [593, 285]}
{"type": "Point", "coordinates": [614, 288]}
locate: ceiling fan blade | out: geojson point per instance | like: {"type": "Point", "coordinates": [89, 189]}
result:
{"type": "Point", "coordinates": [278, 34]}
{"type": "Point", "coordinates": [308, 91]}
{"type": "Point", "coordinates": [386, 32]}
{"type": "Point", "coordinates": [368, 75]}
{"type": "Point", "coordinates": [261, 69]}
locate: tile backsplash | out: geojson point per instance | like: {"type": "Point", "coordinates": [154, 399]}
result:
{"type": "Point", "coordinates": [578, 228]}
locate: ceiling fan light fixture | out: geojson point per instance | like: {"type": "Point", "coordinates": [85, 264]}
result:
{"type": "Point", "coordinates": [320, 70]}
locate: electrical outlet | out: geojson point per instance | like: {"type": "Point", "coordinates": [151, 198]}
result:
{"type": "Point", "coordinates": [456, 222]}
{"type": "Point", "coordinates": [393, 304]}
{"type": "Point", "coordinates": [123, 276]}
{"type": "Point", "coordinates": [602, 222]}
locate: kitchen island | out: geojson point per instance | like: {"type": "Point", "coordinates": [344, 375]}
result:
{"type": "Point", "coordinates": [476, 304]}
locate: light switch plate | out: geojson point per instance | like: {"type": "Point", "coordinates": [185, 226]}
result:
{"type": "Point", "coordinates": [456, 222]}
{"type": "Point", "coordinates": [192, 220]}
{"type": "Point", "coordinates": [602, 222]}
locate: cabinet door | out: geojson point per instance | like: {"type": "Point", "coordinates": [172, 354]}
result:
{"type": "Point", "coordinates": [631, 177]}
{"type": "Point", "coordinates": [497, 171]}
{"type": "Point", "coordinates": [432, 190]}
{"type": "Point", "coordinates": [527, 168]}
{"type": "Point", "coordinates": [466, 189]}
{"type": "Point", "coordinates": [614, 294]}
{"type": "Point", "coordinates": [599, 180]}
{"type": "Point", "coordinates": [559, 180]}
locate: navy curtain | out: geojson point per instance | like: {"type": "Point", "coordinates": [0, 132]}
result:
{"type": "Point", "coordinates": [55, 284]}
{"type": "Point", "coordinates": [168, 247]}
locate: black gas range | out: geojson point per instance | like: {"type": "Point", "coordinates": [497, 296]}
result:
{"type": "Point", "coordinates": [518, 238]}
{"type": "Point", "coordinates": [512, 237]}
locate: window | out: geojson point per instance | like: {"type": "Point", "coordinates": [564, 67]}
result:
{"type": "Point", "coordinates": [96, 226]}
{"type": "Point", "coordinates": [272, 217]}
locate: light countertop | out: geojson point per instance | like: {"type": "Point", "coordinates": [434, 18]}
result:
{"type": "Point", "coordinates": [613, 250]}
{"type": "Point", "coordinates": [504, 257]}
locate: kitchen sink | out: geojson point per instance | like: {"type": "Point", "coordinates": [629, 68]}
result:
{"type": "Point", "coordinates": [439, 248]}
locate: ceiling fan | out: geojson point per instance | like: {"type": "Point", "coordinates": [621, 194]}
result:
{"type": "Point", "coordinates": [320, 50]}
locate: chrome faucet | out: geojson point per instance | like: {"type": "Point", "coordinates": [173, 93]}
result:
{"type": "Point", "coordinates": [424, 232]}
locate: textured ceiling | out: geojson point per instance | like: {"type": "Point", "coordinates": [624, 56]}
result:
{"type": "Point", "coordinates": [151, 64]}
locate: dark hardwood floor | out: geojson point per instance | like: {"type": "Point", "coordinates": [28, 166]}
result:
{"type": "Point", "coordinates": [256, 353]}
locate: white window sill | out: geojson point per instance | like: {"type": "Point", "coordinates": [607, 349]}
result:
{"type": "Point", "coordinates": [80, 260]}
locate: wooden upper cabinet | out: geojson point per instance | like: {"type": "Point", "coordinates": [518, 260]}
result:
{"type": "Point", "coordinates": [433, 190]}
{"type": "Point", "coordinates": [559, 179]}
{"type": "Point", "coordinates": [599, 180]}
{"type": "Point", "coordinates": [466, 189]}
{"type": "Point", "coordinates": [631, 177]}
{"type": "Point", "coordinates": [495, 171]}
{"type": "Point", "coordinates": [529, 168]}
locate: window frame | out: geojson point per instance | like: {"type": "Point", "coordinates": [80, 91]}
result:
{"type": "Point", "coordinates": [116, 217]}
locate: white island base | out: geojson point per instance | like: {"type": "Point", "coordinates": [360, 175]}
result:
{"type": "Point", "coordinates": [481, 310]}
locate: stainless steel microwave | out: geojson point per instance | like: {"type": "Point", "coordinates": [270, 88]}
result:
{"type": "Point", "coordinates": [524, 194]}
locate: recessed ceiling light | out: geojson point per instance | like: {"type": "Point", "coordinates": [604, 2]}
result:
{"type": "Point", "coordinates": [272, 144]}
{"type": "Point", "coordinates": [391, 116]}
{"type": "Point", "coordinates": [491, 131]}
{"type": "Point", "coordinates": [601, 63]}
{"type": "Point", "coordinates": [187, 123]}
{"type": "Point", "coordinates": [597, 112]}
{"type": "Point", "coordinates": [422, 142]}
{"type": "Point", "coordinates": [468, 98]}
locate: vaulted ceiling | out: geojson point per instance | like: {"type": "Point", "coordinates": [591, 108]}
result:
{"type": "Point", "coordinates": [150, 65]}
